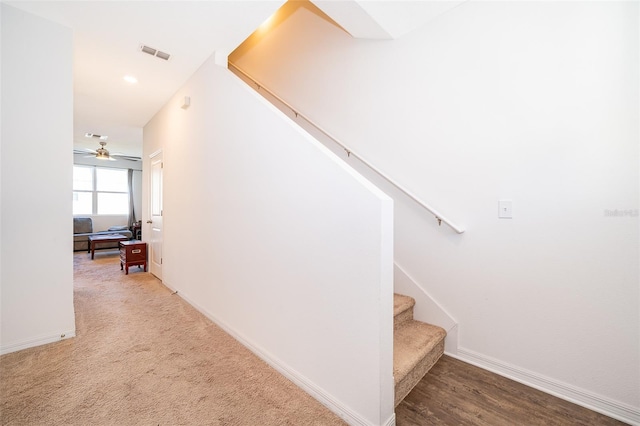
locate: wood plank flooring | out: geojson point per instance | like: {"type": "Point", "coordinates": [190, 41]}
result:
{"type": "Point", "coordinates": [457, 393]}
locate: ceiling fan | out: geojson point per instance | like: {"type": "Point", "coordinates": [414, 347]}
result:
{"type": "Point", "coordinates": [102, 153]}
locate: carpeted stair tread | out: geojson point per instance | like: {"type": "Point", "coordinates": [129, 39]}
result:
{"type": "Point", "coordinates": [402, 309]}
{"type": "Point", "coordinates": [412, 342]}
{"type": "Point", "coordinates": [416, 348]}
{"type": "Point", "coordinates": [401, 303]}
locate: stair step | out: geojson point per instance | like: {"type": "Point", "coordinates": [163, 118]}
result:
{"type": "Point", "coordinates": [416, 348]}
{"type": "Point", "coordinates": [402, 309]}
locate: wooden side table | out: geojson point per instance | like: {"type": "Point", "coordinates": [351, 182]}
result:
{"type": "Point", "coordinates": [133, 253]}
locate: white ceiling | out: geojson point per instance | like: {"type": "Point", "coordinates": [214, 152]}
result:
{"type": "Point", "coordinates": [107, 36]}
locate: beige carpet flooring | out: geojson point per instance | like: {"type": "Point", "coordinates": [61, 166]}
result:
{"type": "Point", "coordinates": [142, 356]}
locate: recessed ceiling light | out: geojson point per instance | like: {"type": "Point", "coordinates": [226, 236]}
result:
{"type": "Point", "coordinates": [130, 79]}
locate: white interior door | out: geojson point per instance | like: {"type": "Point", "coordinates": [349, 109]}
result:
{"type": "Point", "coordinates": [155, 219]}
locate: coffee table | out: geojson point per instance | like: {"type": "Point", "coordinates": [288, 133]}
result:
{"type": "Point", "coordinates": [110, 238]}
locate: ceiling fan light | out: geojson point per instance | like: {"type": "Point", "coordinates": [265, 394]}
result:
{"type": "Point", "coordinates": [102, 153]}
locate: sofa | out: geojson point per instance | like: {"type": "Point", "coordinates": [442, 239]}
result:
{"type": "Point", "coordinates": [83, 228]}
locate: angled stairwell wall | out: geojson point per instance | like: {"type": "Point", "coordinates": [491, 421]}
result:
{"type": "Point", "coordinates": [279, 242]}
{"type": "Point", "coordinates": [427, 309]}
{"type": "Point", "coordinates": [535, 102]}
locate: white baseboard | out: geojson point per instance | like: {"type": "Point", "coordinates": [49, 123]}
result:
{"type": "Point", "coordinates": [391, 421]}
{"type": "Point", "coordinates": [37, 341]}
{"type": "Point", "coordinates": [584, 398]}
{"type": "Point", "coordinates": [300, 380]}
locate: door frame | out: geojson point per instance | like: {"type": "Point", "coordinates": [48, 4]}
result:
{"type": "Point", "coordinates": [155, 268]}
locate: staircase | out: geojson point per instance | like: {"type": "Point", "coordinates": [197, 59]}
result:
{"type": "Point", "coordinates": [416, 346]}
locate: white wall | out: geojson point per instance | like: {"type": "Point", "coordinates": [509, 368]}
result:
{"type": "Point", "coordinates": [278, 241]}
{"type": "Point", "coordinates": [536, 102]}
{"type": "Point", "coordinates": [36, 247]}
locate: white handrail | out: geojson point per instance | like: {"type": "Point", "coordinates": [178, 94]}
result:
{"type": "Point", "coordinates": [350, 152]}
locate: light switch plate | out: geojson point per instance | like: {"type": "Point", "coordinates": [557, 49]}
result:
{"type": "Point", "coordinates": [505, 209]}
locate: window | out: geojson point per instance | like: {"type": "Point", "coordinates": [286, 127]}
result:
{"type": "Point", "coordinates": [99, 190]}
{"type": "Point", "coordinates": [82, 190]}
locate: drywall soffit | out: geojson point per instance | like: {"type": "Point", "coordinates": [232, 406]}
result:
{"type": "Point", "coordinates": [383, 19]}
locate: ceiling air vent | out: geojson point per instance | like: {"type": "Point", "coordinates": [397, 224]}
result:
{"type": "Point", "coordinates": [93, 135]}
{"type": "Point", "coordinates": [154, 52]}
{"type": "Point", "coordinates": [163, 55]}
